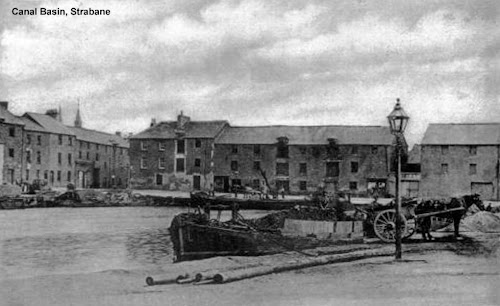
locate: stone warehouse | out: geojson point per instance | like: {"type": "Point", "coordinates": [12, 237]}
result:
{"type": "Point", "coordinates": [186, 155]}
{"type": "Point", "coordinates": [41, 147]}
{"type": "Point", "coordinates": [458, 159]}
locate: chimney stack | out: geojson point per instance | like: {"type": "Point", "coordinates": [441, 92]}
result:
{"type": "Point", "coordinates": [52, 113]}
{"type": "Point", "coordinates": [118, 133]}
{"type": "Point", "coordinates": [182, 121]}
{"type": "Point", "coordinates": [153, 122]}
{"type": "Point", "coordinates": [4, 105]}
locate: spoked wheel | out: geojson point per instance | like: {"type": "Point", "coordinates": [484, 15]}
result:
{"type": "Point", "coordinates": [384, 225]}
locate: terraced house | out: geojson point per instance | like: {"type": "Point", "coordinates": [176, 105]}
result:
{"type": "Point", "coordinates": [46, 149]}
{"type": "Point", "coordinates": [11, 144]}
{"type": "Point", "coordinates": [458, 159]}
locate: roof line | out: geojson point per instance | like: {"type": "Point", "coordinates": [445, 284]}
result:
{"type": "Point", "coordinates": [335, 125]}
{"type": "Point", "coordinates": [467, 123]}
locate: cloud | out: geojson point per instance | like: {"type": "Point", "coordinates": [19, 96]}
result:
{"type": "Point", "coordinates": [256, 61]}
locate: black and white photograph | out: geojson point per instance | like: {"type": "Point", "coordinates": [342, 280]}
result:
{"type": "Point", "coordinates": [249, 152]}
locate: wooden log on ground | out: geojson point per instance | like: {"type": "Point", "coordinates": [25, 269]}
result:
{"type": "Point", "coordinates": [230, 276]}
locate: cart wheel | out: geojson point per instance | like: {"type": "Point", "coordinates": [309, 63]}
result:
{"type": "Point", "coordinates": [384, 225]}
{"type": "Point", "coordinates": [411, 228]}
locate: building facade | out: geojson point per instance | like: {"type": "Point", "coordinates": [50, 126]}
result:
{"type": "Point", "coordinates": [11, 146]}
{"type": "Point", "coordinates": [174, 155]}
{"type": "Point", "coordinates": [42, 148]}
{"type": "Point", "coordinates": [458, 159]}
{"type": "Point", "coordinates": [300, 159]}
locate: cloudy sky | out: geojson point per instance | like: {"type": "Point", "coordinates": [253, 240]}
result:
{"type": "Point", "coordinates": [255, 62]}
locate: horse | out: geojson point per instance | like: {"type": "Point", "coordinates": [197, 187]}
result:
{"type": "Point", "coordinates": [435, 206]}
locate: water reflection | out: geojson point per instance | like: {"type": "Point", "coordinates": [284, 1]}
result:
{"type": "Point", "coordinates": [36, 242]}
{"type": "Point", "coordinates": [150, 247]}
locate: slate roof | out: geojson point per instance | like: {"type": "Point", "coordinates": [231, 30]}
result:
{"type": "Point", "coordinates": [30, 125]}
{"type": "Point", "coordinates": [98, 137]}
{"type": "Point", "coordinates": [9, 118]}
{"type": "Point", "coordinates": [50, 124]}
{"type": "Point", "coordinates": [307, 135]}
{"type": "Point", "coordinates": [193, 129]}
{"type": "Point", "coordinates": [462, 134]}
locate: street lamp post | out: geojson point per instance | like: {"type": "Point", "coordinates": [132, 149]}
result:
{"type": "Point", "coordinates": [398, 119]}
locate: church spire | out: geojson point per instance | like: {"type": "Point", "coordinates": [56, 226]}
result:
{"type": "Point", "coordinates": [78, 119]}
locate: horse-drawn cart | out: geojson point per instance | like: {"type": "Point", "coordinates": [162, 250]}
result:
{"type": "Point", "coordinates": [414, 212]}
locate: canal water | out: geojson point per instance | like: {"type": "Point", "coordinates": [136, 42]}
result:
{"type": "Point", "coordinates": [47, 241]}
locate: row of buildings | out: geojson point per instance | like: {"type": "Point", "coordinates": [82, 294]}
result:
{"type": "Point", "coordinates": [187, 154]}
{"type": "Point", "coordinates": [452, 159]}
{"type": "Point", "coordinates": [40, 147]}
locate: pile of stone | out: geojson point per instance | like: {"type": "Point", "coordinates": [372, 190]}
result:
{"type": "Point", "coordinates": [483, 221]}
{"type": "Point", "coordinates": [9, 190]}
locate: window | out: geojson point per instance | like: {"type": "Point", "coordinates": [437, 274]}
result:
{"type": "Point", "coordinates": [28, 139]}
{"type": "Point", "coordinates": [256, 184]}
{"type": "Point", "coordinates": [81, 144]}
{"type": "Point", "coordinates": [256, 149]}
{"type": "Point", "coordinates": [197, 162]}
{"type": "Point", "coordinates": [121, 151]}
{"type": "Point", "coordinates": [161, 163]}
{"type": "Point", "coordinates": [143, 162]}
{"type": "Point", "coordinates": [12, 132]}
{"type": "Point", "coordinates": [80, 154]}
{"type": "Point", "coordinates": [303, 185]}
{"type": "Point", "coordinates": [354, 150]}
{"type": "Point", "coordinates": [234, 149]}
{"type": "Point", "coordinates": [303, 169]}
{"type": "Point", "coordinates": [97, 156]}
{"type": "Point", "coordinates": [197, 143]}
{"type": "Point", "coordinates": [282, 150]}
{"type": "Point", "coordinates": [27, 175]}
{"type": "Point", "coordinates": [105, 149]}
{"type": "Point", "coordinates": [70, 141]}
{"type": "Point", "coordinates": [181, 147]}
{"type": "Point", "coordinates": [161, 146]}
{"type": "Point", "coordinates": [473, 150]}
{"type": "Point", "coordinates": [143, 146]}
{"type": "Point", "coordinates": [444, 150]}
{"type": "Point", "coordinates": [316, 152]}
{"type": "Point", "coordinates": [444, 168]}
{"type": "Point", "coordinates": [179, 165]}
{"type": "Point", "coordinates": [332, 169]}
{"type": "Point", "coordinates": [472, 169]}
{"type": "Point", "coordinates": [59, 158]}
{"type": "Point", "coordinates": [374, 150]}
{"type": "Point", "coordinates": [39, 140]}
{"type": "Point", "coordinates": [282, 169]}
{"type": "Point", "coordinates": [105, 165]}
{"type": "Point", "coordinates": [60, 139]}
{"type": "Point", "coordinates": [353, 185]}
{"type": "Point", "coordinates": [38, 157]}
{"type": "Point", "coordinates": [303, 150]}
{"type": "Point", "coordinates": [46, 175]}
{"type": "Point", "coordinates": [70, 159]}
{"type": "Point", "coordinates": [28, 156]}
{"type": "Point", "coordinates": [97, 146]}
{"type": "Point", "coordinates": [69, 176]}
{"type": "Point", "coordinates": [88, 155]}
{"type": "Point", "coordinates": [234, 165]}
{"type": "Point", "coordinates": [58, 175]}
{"type": "Point", "coordinates": [88, 145]}
{"type": "Point", "coordinates": [256, 165]}
{"type": "Point", "coordinates": [11, 152]}
{"type": "Point", "coordinates": [37, 174]}
{"type": "Point", "coordinates": [354, 167]}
